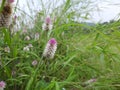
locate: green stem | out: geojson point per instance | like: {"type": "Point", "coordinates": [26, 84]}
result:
{"type": "Point", "coordinates": [32, 78]}
{"type": "Point", "coordinates": [2, 5]}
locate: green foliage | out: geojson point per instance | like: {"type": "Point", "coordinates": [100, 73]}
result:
{"type": "Point", "coordinates": [83, 52]}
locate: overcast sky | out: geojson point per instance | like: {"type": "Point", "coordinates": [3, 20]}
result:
{"type": "Point", "coordinates": [108, 10]}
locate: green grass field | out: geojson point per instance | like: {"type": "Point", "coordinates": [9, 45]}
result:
{"type": "Point", "coordinates": [87, 57]}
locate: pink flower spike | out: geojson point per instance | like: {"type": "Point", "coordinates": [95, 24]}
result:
{"type": "Point", "coordinates": [52, 41]}
{"type": "Point", "coordinates": [47, 25]}
{"type": "Point", "coordinates": [91, 81]}
{"type": "Point", "coordinates": [2, 84]}
{"type": "Point", "coordinates": [50, 49]}
{"type": "Point", "coordinates": [10, 1]}
{"type": "Point", "coordinates": [48, 20]}
{"type": "Point", "coordinates": [34, 63]}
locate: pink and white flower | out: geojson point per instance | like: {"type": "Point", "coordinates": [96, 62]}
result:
{"type": "Point", "coordinates": [10, 1]}
{"type": "Point", "coordinates": [47, 25]}
{"type": "Point", "coordinates": [91, 81]}
{"type": "Point", "coordinates": [26, 48]}
{"type": "Point", "coordinates": [2, 85]}
{"type": "Point", "coordinates": [50, 49]}
{"type": "Point", "coordinates": [30, 45]}
{"type": "Point", "coordinates": [34, 63]}
{"type": "Point", "coordinates": [88, 82]}
{"type": "Point", "coordinates": [7, 49]}
{"type": "Point", "coordinates": [27, 38]}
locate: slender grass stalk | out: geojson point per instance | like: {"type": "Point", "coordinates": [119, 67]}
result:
{"type": "Point", "coordinates": [2, 5]}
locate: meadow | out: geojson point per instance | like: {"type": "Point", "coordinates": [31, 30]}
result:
{"type": "Point", "coordinates": [57, 52]}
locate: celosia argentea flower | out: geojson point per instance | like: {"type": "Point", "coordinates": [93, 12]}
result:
{"type": "Point", "coordinates": [50, 49]}
{"type": "Point", "coordinates": [2, 85]}
{"type": "Point", "coordinates": [26, 48]}
{"type": "Point", "coordinates": [27, 38]}
{"type": "Point", "coordinates": [34, 63]}
{"type": "Point", "coordinates": [7, 49]}
{"type": "Point", "coordinates": [47, 25]}
{"type": "Point", "coordinates": [10, 1]}
{"type": "Point", "coordinates": [88, 82]}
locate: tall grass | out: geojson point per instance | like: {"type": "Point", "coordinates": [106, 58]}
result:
{"type": "Point", "coordinates": [83, 52]}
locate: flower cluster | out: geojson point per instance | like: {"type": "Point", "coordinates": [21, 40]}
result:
{"type": "Point", "coordinates": [27, 48]}
{"type": "Point", "coordinates": [50, 49]}
{"type": "Point", "coordinates": [7, 49]}
{"type": "Point", "coordinates": [27, 38]}
{"type": "Point", "coordinates": [88, 82]}
{"type": "Point", "coordinates": [47, 25]}
{"type": "Point", "coordinates": [6, 13]}
{"type": "Point", "coordinates": [2, 85]}
{"type": "Point", "coordinates": [10, 1]}
{"type": "Point", "coordinates": [34, 62]}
